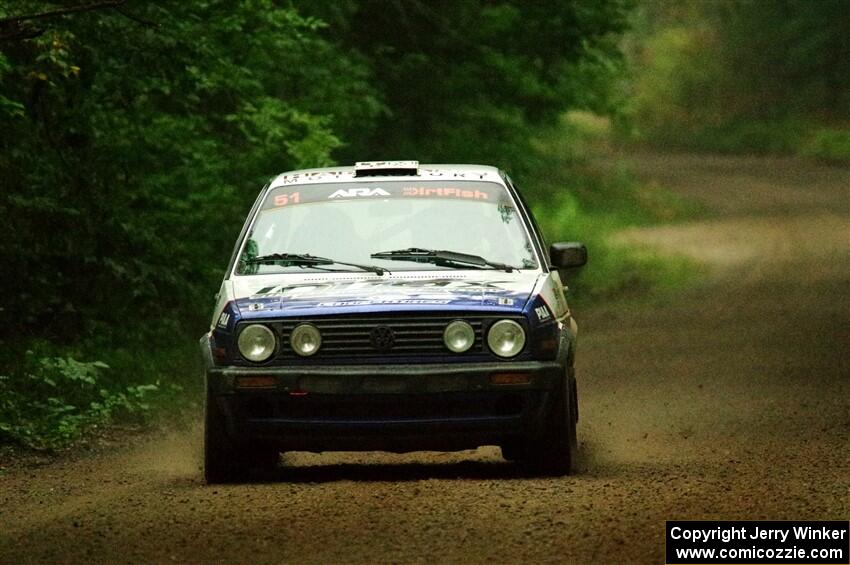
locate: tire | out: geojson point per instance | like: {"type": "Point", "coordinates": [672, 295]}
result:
{"type": "Point", "coordinates": [574, 395]}
{"type": "Point", "coordinates": [512, 451]}
{"type": "Point", "coordinates": [263, 458]}
{"type": "Point", "coordinates": [554, 454]}
{"type": "Point", "coordinates": [224, 462]}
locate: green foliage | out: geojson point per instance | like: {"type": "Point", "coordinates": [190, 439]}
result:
{"type": "Point", "coordinates": [785, 57]}
{"type": "Point", "coordinates": [741, 76]}
{"type": "Point", "coordinates": [140, 149]}
{"type": "Point", "coordinates": [829, 145]}
{"type": "Point", "coordinates": [48, 401]}
{"type": "Point", "coordinates": [470, 81]}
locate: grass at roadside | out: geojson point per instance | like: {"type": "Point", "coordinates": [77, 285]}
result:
{"type": "Point", "coordinates": [831, 145]}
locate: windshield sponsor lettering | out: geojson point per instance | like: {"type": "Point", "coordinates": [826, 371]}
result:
{"type": "Point", "coordinates": [286, 195]}
{"type": "Point", "coordinates": [355, 192]}
{"type": "Point", "coordinates": [444, 192]}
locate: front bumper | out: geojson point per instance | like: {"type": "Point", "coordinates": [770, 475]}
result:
{"type": "Point", "coordinates": [386, 407]}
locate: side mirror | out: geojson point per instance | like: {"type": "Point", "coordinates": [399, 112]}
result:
{"type": "Point", "coordinates": [565, 255]}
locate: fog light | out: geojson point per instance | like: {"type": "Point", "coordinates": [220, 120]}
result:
{"type": "Point", "coordinates": [305, 340]}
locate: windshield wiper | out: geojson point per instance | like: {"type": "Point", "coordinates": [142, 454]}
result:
{"type": "Point", "coordinates": [307, 260]}
{"type": "Point", "coordinates": [444, 258]}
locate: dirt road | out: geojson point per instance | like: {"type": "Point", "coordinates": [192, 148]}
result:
{"type": "Point", "coordinates": [729, 400]}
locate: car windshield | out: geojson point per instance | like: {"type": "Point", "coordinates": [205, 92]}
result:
{"type": "Point", "coordinates": [348, 222]}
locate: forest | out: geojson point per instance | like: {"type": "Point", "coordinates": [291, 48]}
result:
{"type": "Point", "coordinates": [136, 135]}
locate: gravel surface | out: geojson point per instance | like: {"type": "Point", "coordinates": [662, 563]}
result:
{"type": "Point", "coordinates": [730, 400]}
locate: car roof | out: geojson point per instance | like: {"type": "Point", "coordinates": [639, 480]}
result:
{"type": "Point", "coordinates": [425, 172]}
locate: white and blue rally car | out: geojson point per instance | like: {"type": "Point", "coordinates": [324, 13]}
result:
{"type": "Point", "coordinates": [391, 306]}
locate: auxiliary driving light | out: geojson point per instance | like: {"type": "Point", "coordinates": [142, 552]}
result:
{"type": "Point", "coordinates": [305, 339]}
{"type": "Point", "coordinates": [459, 336]}
{"type": "Point", "coordinates": [256, 343]}
{"type": "Point", "coordinates": [506, 338]}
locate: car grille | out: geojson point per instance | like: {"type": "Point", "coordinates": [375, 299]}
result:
{"type": "Point", "coordinates": [344, 336]}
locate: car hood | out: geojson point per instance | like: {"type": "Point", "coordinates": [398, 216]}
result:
{"type": "Point", "coordinates": [268, 296]}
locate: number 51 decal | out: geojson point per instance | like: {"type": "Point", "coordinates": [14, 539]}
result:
{"type": "Point", "coordinates": [285, 199]}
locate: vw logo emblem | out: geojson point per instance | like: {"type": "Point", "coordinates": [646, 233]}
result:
{"type": "Point", "coordinates": [382, 338]}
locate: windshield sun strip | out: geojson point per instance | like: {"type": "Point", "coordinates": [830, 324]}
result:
{"type": "Point", "coordinates": [524, 223]}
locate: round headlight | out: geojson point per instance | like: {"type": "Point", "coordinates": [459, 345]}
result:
{"type": "Point", "coordinates": [458, 336]}
{"type": "Point", "coordinates": [506, 338]}
{"type": "Point", "coordinates": [305, 339]}
{"type": "Point", "coordinates": [256, 343]}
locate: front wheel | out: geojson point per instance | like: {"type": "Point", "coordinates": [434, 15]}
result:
{"type": "Point", "coordinates": [555, 452]}
{"type": "Point", "coordinates": [224, 461]}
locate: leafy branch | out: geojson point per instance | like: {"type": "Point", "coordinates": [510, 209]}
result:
{"type": "Point", "coordinates": [14, 28]}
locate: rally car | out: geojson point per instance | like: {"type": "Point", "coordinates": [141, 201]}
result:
{"type": "Point", "coordinates": [391, 306]}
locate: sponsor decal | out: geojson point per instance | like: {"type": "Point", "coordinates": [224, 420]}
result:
{"type": "Point", "coordinates": [433, 292]}
{"type": "Point", "coordinates": [313, 289]}
{"type": "Point", "coordinates": [358, 192]}
{"type": "Point", "coordinates": [542, 313]}
{"type": "Point", "coordinates": [387, 301]}
{"type": "Point", "coordinates": [286, 195]}
{"type": "Point", "coordinates": [369, 165]}
{"type": "Point", "coordinates": [456, 174]}
{"type": "Point", "coordinates": [255, 306]}
{"type": "Point", "coordinates": [440, 286]}
{"type": "Point", "coordinates": [296, 178]}
{"type": "Point", "coordinates": [301, 177]}
{"type": "Point", "coordinates": [223, 319]}
{"type": "Point", "coordinates": [444, 192]}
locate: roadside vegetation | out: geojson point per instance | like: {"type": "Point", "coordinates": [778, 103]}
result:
{"type": "Point", "coordinates": [136, 136]}
{"type": "Point", "coordinates": [585, 193]}
{"type": "Point", "coordinates": [761, 77]}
